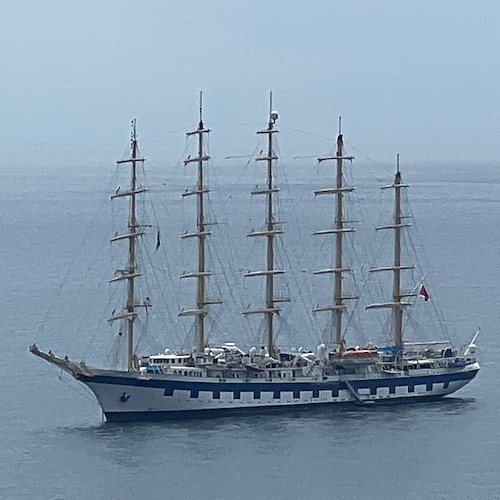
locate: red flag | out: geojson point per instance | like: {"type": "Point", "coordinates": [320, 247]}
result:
{"type": "Point", "coordinates": [424, 293]}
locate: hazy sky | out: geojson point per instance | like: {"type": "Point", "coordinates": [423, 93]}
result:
{"type": "Point", "coordinates": [418, 77]}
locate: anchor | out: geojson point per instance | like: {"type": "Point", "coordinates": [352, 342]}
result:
{"type": "Point", "coordinates": [124, 397]}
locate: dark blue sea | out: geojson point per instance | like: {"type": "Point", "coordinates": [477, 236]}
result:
{"type": "Point", "coordinates": [55, 262]}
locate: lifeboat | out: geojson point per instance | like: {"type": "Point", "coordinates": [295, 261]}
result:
{"type": "Point", "coordinates": [359, 353]}
{"type": "Point", "coordinates": [358, 357]}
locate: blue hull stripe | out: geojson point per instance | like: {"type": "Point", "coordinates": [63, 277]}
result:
{"type": "Point", "coordinates": [149, 416]}
{"type": "Point", "coordinates": [236, 388]}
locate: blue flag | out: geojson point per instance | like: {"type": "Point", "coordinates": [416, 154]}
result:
{"type": "Point", "coordinates": [158, 242]}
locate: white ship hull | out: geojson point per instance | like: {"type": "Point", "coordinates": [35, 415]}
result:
{"type": "Point", "coordinates": [127, 396]}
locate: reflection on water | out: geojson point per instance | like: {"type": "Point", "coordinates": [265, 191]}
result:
{"type": "Point", "coordinates": [348, 419]}
{"type": "Point", "coordinates": [285, 455]}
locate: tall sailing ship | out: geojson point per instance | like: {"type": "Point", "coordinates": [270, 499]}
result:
{"type": "Point", "coordinates": [220, 380]}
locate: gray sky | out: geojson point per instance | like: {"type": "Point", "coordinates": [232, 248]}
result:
{"type": "Point", "coordinates": [418, 77]}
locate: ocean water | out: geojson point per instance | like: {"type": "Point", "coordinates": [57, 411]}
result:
{"type": "Point", "coordinates": [55, 262]}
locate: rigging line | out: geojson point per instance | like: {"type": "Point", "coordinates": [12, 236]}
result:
{"type": "Point", "coordinates": [141, 329]}
{"type": "Point", "coordinates": [436, 309]}
{"type": "Point", "coordinates": [125, 154]}
{"type": "Point", "coordinates": [328, 329]}
{"type": "Point", "coordinates": [314, 318]}
{"type": "Point", "coordinates": [384, 166]}
{"type": "Point", "coordinates": [261, 332]}
{"type": "Point", "coordinates": [243, 174]}
{"type": "Point", "coordinates": [117, 347]}
{"type": "Point", "coordinates": [375, 244]}
{"type": "Point", "coordinates": [354, 329]}
{"type": "Point", "coordinates": [230, 125]}
{"type": "Point", "coordinates": [294, 212]}
{"type": "Point", "coordinates": [417, 328]}
{"type": "Point", "coordinates": [103, 280]}
{"type": "Point", "coordinates": [146, 342]}
{"type": "Point", "coordinates": [357, 258]}
{"type": "Point", "coordinates": [289, 331]}
{"type": "Point", "coordinates": [211, 326]}
{"type": "Point", "coordinates": [280, 210]}
{"type": "Point", "coordinates": [297, 284]}
{"type": "Point", "coordinates": [379, 244]}
{"type": "Point", "coordinates": [163, 298]}
{"type": "Point", "coordinates": [171, 315]}
{"type": "Point", "coordinates": [239, 157]}
{"type": "Point", "coordinates": [226, 278]}
{"type": "Point", "coordinates": [189, 340]}
{"type": "Point", "coordinates": [180, 161]}
{"type": "Point", "coordinates": [350, 319]}
{"type": "Point", "coordinates": [439, 316]}
{"type": "Point", "coordinates": [163, 250]}
{"type": "Point", "coordinates": [386, 327]}
{"type": "Point", "coordinates": [211, 180]}
{"type": "Point", "coordinates": [74, 388]}
{"type": "Point", "coordinates": [163, 134]}
{"type": "Point", "coordinates": [311, 134]}
{"type": "Point", "coordinates": [41, 325]}
{"type": "Point", "coordinates": [145, 250]}
{"type": "Point", "coordinates": [287, 187]}
{"type": "Point", "coordinates": [356, 290]}
{"type": "Point", "coordinates": [282, 157]}
{"type": "Point", "coordinates": [302, 157]}
{"type": "Point", "coordinates": [422, 250]}
{"type": "Point", "coordinates": [90, 341]}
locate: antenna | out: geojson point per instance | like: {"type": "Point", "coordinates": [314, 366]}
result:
{"type": "Point", "coordinates": [397, 163]}
{"type": "Point", "coordinates": [200, 125]}
{"type": "Point", "coordinates": [273, 115]}
{"type": "Point", "coordinates": [340, 125]}
{"type": "Point", "coordinates": [133, 133]}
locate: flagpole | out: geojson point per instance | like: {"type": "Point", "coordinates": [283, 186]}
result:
{"type": "Point", "coordinates": [472, 341]}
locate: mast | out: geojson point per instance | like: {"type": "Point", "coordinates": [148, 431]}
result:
{"type": "Point", "coordinates": [201, 234]}
{"type": "Point", "coordinates": [337, 307]}
{"type": "Point", "coordinates": [396, 282]}
{"type": "Point", "coordinates": [134, 231]}
{"type": "Point", "coordinates": [397, 305]}
{"type": "Point", "coordinates": [272, 229]}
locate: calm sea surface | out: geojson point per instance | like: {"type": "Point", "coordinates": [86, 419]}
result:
{"type": "Point", "coordinates": [54, 255]}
